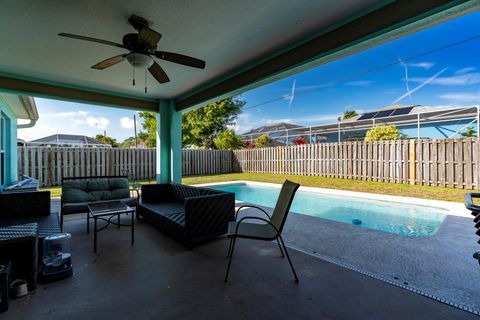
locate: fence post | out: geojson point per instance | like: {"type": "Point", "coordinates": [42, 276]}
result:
{"type": "Point", "coordinates": [411, 159]}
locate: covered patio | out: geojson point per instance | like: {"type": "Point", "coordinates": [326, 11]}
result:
{"type": "Point", "coordinates": [246, 44]}
{"type": "Point", "coordinates": [159, 279]}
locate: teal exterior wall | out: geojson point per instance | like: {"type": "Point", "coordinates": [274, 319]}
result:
{"type": "Point", "coordinates": [169, 143]}
{"type": "Point", "coordinates": [11, 155]}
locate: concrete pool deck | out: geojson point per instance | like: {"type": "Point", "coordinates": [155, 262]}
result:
{"type": "Point", "coordinates": [440, 265]}
{"type": "Point", "coordinates": [157, 278]}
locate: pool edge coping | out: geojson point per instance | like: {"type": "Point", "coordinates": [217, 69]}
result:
{"type": "Point", "coordinates": [453, 208]}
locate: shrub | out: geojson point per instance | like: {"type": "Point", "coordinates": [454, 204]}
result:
{"type": "Point", "coordinates": [228, 140]}
{"type": "Point", "coordinates": [380, 133]}
{"type": "Point", "coordinates": [262, 141]}
{"type": "Point", "coordinates": [300, 140]}
{"type": "Point", "coordinates": [248, 145]}
{"type": "Point", "coordinates": [470, 132]}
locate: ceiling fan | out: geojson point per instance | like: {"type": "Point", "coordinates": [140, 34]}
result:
{"type": "Point", "coordinates": [141, 46]}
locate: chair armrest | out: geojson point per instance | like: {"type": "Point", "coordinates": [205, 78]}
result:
{"type": "Point", "coordinates": [209, 213]}
{"type": "Point", "coordinates": [157, 193]}
{"type": "Point", "coordinates": [469, 204]}
{"type": "Point", "coordinates": [251, 206]}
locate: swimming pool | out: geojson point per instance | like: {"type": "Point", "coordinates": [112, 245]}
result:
{"type": "Point", "coordinates": [393, 217]}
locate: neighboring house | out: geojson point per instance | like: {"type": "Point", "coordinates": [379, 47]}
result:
{"type": "Point", "coordinates": [279, 133]}
{"type": "Point", "coordinates": [412, 121]}
{"type": "Point", "coordinates": [12, 108]}
{"type": "Point", "coordinates": [68, 140]}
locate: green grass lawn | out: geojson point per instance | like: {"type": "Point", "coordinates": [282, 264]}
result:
{"type": "Point", "coordinates": [406, 190]}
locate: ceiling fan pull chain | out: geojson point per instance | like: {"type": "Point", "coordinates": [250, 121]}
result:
{"type": "Point", "coordinates": [133, 68]}
{"type": "Point", "coordinates": [145, 80]}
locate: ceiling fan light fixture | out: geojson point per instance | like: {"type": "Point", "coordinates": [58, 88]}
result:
{"type": "Point", "coordinates": [140, 60]}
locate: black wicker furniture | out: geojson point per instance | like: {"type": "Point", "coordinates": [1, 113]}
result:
{"type": "Point", "coordinates": [78, 192]}
{"type": "Point", "coordinates": [18, 244]}
{"type": "Point", "coordinates": [191, 215]}
{"type": "Point", "coordinates": [475, 210]}
{"type": "Point", "coordinates": [29, 207]}
{"type": "Point", "coordinates": [25, 220]}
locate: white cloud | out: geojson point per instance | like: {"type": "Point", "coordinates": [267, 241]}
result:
{"type": "Point", "coordinates": [313, 87]}
{"type": "Point", "coordinates": [465, 70]}
{"type": "Point", "coordinates": [243, 124]}
{"type": "Point", "coordinates": [127, 123]}
{"type": "Point", "coordinates": [66, 114]}
{"type": "Point", "coordinates": [246, 121]}
{"type": "Point", "coordinates": [273, 121]}
{"type": "Point", "coordinates": [319, 118]}
{"type": "Point", "coordinates": [39, 130]}
{"type": "Point", "coordinates": [100, 122]}
{"type": "Point", "coordinates": [423, 65]}
{"type": "Point", "coordinates": [360, 83]}
{"type": "Point", "coordinates": [456, 80]}
{"type": "Point", "coordinates": [462, 97]}
{"type": "Point", "coordinates": [421, 85]}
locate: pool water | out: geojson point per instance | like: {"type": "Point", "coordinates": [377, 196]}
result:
{"type": "Point", "coordinates": [393, 217]}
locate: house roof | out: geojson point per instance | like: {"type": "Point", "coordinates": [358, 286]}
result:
{"type": "Point", "coordinates": [68, 139]}
{"type": "Point", "coordinates": [272, 127]}
{"type": "Point", "coordinates": [426, 114]}
{"type": "Point", "coordinates": [245, 44]}
{"type": "Point", "coordinates": [396, 110]}
{"type": "Point", "coordinates": [23, 107]}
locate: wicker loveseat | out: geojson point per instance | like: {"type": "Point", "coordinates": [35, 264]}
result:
{"type": "Point", "coordinates": [29, 207]}
{"type": "Point", "coordinates": [191, 215]}
{"type": "Point", "coordinates": [77, 192]}
{"type": "Point", "coordinates": [25, 220]}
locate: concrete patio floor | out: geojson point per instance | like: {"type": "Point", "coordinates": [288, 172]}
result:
{"type": "Point", "coordinates": [159, 279]}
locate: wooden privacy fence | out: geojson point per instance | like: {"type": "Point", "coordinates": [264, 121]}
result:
{"type": "Point", "coordinates": [451, 163]}
{"type": "Point", "coordinates": [50, 164]}
{"type": "Point", "coordinates": [197, 162]}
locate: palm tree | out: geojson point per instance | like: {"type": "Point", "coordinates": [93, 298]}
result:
{"type": "Point", "coordinates": [470, 132]}
{"type": "Point", "coordinates": [349, 114]}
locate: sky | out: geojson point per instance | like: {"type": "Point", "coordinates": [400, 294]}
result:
{"type": "Point", "coordinates": [447, 77]}
{"type": "Point", "coordinates": [83, 119]}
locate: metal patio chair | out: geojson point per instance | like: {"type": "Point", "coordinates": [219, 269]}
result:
{"type": "Point", "coordinates": [268, 231]}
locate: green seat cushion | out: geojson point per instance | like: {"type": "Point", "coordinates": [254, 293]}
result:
{"type": "Point", "coordinates": [77, 192]}
{"type": "Point", "coordinates": [98, 189]}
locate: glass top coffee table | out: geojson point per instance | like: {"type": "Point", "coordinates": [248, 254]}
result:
{"type": "Point", "coordinates": [106, 210]}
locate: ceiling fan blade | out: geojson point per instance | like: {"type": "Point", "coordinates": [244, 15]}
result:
{"type": "Point", "coordinates": [75, 36]}
{"type": "Point", "coordinates": [149, 37]}
{"type": "Point", "coordinates": [181, 59]}
{"type": "Point", "coordinates": [109, 62]}
{"type": "Point", "coordinates": [158, 73]}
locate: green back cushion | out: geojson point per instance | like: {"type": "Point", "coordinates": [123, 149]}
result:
{"type": "Point", "coordinates": [97, 189]}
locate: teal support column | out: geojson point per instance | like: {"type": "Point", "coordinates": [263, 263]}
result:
{"type": "Point", "coordinates": [169, 143]}
{"type": "Point", "coordinates": [8, 127]}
